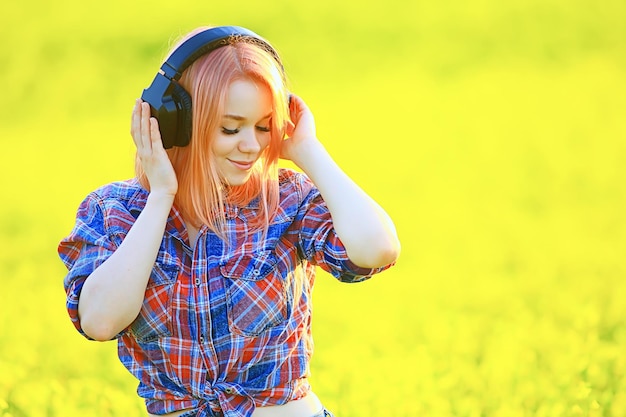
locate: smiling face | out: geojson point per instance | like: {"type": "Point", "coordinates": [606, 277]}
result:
{"type": "Point", "coordinates": [244, 131]}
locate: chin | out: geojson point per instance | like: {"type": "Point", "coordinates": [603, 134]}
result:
{"type": "Point", "coordinates": [234, 181]}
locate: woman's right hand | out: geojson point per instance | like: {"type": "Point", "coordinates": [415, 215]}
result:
{"type": "Point", "coordinates": [154, 160]}
{"type": "Point", "coordinates": [113, 294]}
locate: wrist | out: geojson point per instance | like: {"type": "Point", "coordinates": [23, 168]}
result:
{"type": "Point", "coordinates": [161, 196]}
{"type": "Point", "coordinates": [309, 156]}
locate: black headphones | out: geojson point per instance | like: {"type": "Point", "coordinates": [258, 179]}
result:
{"type": "Point", "coordinates": [169, 102]}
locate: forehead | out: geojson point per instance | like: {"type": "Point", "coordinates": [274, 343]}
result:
{"type": "Point", "coordinates": [248, 99]}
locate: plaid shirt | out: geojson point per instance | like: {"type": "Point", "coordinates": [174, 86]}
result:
{"type": "Point", "coordinates": [223, 327]}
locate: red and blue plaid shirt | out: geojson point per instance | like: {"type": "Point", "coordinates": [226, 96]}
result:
{"type": "Point", "coordinates": [222, 328]}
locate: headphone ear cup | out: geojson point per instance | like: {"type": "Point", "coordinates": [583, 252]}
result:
{"type": "Point", "coordinates": [180, 96]}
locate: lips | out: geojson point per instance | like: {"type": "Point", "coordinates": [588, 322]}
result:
{"type": "Point", "coordinates": [243, 165]}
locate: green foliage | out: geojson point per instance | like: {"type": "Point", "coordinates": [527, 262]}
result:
{"type": "Point", "coordinates": [493, 132]}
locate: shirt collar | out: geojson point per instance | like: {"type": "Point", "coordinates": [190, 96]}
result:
{"type": "Point", "coordinates": [175, 225]}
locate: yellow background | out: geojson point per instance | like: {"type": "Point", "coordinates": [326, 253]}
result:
{"type": "Point", "coordinates": [492, 131]}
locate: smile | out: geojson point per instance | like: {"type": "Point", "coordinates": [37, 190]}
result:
{"type": "Point", "coordinates": [243, 165]}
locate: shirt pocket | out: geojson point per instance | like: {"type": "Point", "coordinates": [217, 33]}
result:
{"type": "Point", "coordinates": [255, 293]}
{"type": "Point", "coordinates": [154, 319]}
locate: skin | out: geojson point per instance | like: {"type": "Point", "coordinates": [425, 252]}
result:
{"type": "Point", "coordinates": [364, 228]}
{"type": "Point", "coordinates": [113, 294]}
{"type": "Point", "coordinates": [245, 131]}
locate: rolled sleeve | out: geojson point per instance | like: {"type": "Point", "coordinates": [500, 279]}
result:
{"type": "Point", "coordinates": [83, 250]}
{"type": "Point", "coordinates": [320, 244]}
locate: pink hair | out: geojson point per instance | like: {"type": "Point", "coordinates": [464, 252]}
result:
{"type": "Point", "coordinates": [201, 193]}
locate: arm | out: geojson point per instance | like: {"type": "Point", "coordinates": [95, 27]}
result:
{"type": "Point", "coordinates": [364, 228]}
{"type": "Point", "coordinates": [112, 295]}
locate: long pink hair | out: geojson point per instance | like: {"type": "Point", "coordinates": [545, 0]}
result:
{"type": "Point", "coordinates": [202, 195]}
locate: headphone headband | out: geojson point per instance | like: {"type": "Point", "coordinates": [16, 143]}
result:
{"type": "Point", "coordinates": [204, 42]}
{"type": "Point", "coordinates": [169, 102]}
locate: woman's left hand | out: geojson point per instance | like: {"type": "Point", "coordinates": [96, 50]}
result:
{"type": "Point", "coordinates": [301, 133]}
{"type": "Point", "coordinates": [364, 228]}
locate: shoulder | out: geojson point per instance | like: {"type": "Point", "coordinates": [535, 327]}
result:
{"type": "Point", "coordinates": [298, 194]}
{"type": "Point", "coordinates": [293, 182]}
{"type": "Point", "coordinates": [129, 193]}
{"type": "Point", "coordinates": [120, 201]}
{"type": "Point", "coordinates": [108, 210]}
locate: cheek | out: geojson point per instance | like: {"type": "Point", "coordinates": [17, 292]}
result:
{"type": "Point", "coordinates": [265, 140]}
{"type": "Point", "coordinates": [220, 146]}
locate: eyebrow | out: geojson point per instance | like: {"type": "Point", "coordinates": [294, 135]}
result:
{"type": "Point", "coordinates": [240, 118]}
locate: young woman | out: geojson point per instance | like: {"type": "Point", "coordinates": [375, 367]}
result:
{"type": "Point", "coordinates": [202, 266]}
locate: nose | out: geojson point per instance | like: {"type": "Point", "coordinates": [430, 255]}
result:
{"type": "Point", "coordinates": [249, 143]}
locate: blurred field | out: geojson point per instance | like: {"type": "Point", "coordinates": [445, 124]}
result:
{"type": "Point", "coordinates": [493, 132]}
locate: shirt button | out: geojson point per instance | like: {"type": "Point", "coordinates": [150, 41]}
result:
{"type": "Point", "coordinates": [201, 338]}
{"type": "Point", "coordinates": [198, 282]}
{"type": "Point", "coordinates": [229, 390]}
{"type": "Point", "coordinates": [256, 272]}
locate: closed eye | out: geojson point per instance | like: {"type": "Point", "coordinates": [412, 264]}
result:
{"type": "Point", "coordinates": [263, 129]}
{"type": "Point", "coordinates": [230, 131]}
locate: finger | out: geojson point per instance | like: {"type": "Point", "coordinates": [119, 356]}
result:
{"type": "Point", "coordinates": [293, 108]}
{"type": "Point", "coordinates": [155, 134]}
{"type": "Point", "coordinates": [135, 122]}
{"type": "Point", "coordinates": [297, 108]}
{"type": "Point", "coordinates": [146, 142]}
{"type": "Point", "coordinates": [289, 128]}
{"type": "Point", "coordinates": [296, 101]}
